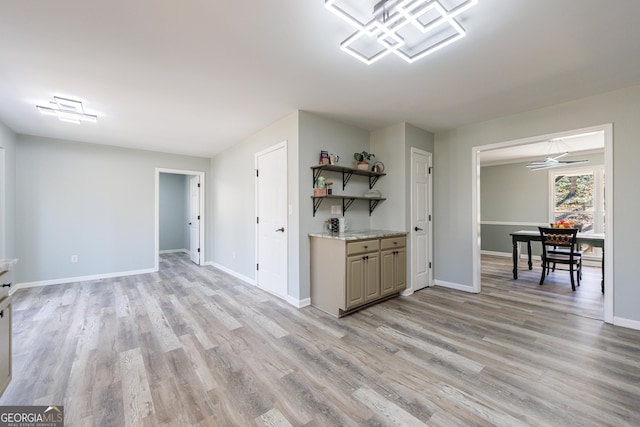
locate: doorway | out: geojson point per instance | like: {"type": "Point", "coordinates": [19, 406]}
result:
{"type": "Point", "coordinates": [421, 232]}
{"type": "Point", "coordinates": [271, 220]}
{"type": "Point", "coordinates": [193, 204]}
{"type": "Point", "coordinates": [607, 132]}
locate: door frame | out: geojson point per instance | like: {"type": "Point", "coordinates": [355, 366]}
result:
{"type": "Point", "coordinates": [275, 147]}
{"type": "Point", "coordinates": [607, 129]}
{"type": "Point", "coordinates": [156, 244]}
{"type": "Point", "coordinates": [3, 205]}
{"type": "Point", "coordinates": [412, 263]}
{"type": "Point", "coordinates": [192, 179]}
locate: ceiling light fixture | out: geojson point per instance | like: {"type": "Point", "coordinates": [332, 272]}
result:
{"type": "Point", "coordinates": [67, 110]}
{"type": "Point", "coordinates": [553, 161]}
{"type": "Point", "coordinates": [411, 29]}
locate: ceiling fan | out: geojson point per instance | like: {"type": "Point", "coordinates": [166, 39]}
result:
{"type": "Point", "coordinates": [553, 161]}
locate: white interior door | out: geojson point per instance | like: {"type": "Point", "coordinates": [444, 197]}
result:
{"type": "Point", "coordinates": [194, 219]}
{"type": "Point", "coordinates": [271, 221]}
{"type": "Point", "coordinates": [421, 225]}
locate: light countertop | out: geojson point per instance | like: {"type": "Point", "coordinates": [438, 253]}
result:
{"type": "Point", "coordinates": [359, 234]}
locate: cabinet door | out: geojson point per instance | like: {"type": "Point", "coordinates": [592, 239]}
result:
{"type": "Point", "coordinates": [372, 277]}
{"type": "Point", "coordinates": [393, 271]}
{"type": "Point", "coordinates": [355, 281]}
{"type": "Point", "coordinates": [387, 279]}
{"type": "Point", "coordinates": [5, 344]}
{"type": "Point", "coordinates": [400, 270]}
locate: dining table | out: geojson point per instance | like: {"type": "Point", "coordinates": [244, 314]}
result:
{"type": "Point", "coordinates": [528, 236]}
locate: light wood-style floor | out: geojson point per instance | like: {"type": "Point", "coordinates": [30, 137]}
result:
{"type": "Point", "coordinates": [192, 346]}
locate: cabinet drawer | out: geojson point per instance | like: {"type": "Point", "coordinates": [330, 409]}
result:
{"type": "Point", "coordinates": [364, 246]}
{"type": "Point", "coordinates": [394, 242]}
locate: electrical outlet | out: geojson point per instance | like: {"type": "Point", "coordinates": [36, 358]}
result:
{"type": "Point", "coordinates": [233, 255]}
{"type": "Point", "coordinates": [74, 258]}
{"type": "Point", "coordinates": [336, 209]}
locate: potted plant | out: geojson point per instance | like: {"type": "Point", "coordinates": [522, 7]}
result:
{"type": "Point", "coordinates": [362, 159]}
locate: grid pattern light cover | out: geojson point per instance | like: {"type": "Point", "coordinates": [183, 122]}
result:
{"type": "Point", "coordinates": [411, 29]}
{"type": "Point", "coordinates": [67, 110]}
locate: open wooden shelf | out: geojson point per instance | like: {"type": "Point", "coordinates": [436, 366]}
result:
{"type": "Point", "coordinates": [347, 173]}
{"type": "Point", "coordinates": [347, 201]}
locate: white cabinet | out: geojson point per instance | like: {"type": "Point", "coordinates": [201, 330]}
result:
{"type": "Point", "coordinates": [363, 274]}
{"type": "Point", "coordinates": [347, 275]}
{"type": "Point", "coordinates": [393, 266]}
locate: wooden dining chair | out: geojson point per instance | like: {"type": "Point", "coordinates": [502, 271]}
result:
{"type": "Point", "coordinates": [565, 251]}
{"type": "Point", "coordinates": [559, 247]}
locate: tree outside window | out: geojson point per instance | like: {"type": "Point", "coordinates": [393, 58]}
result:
{"type": "Point", "coordinates": [578, 196]}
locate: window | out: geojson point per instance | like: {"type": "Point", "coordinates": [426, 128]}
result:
{"type": "Point", "coordinates": [577, 195]}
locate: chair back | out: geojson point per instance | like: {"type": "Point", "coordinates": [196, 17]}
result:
{"type": "Point", "coordinates": [558, 237]}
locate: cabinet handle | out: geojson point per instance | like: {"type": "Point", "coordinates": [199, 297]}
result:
{"type": "Point", "coordinates": [6, 285]}
{"type": "Point", "coordinates": [1, 314]}
{"type": "Point", "coordinates": [366, 247]}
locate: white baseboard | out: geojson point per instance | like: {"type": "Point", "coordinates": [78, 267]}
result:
{"type": "Point", "coordinates": [79, 279]}
{"type": "Point", "coordinates": [451, 285]}
{"type": "Point", "coordinates": [289, 299]}
{"type": "Point", "coordinates": [494, 253]}
{"type": "Point", "coordinates": [626, 323]}
{"type": "Point", "coordinates": [173, 251]}
{"type": "Point", "coordinates": [299, 303]}
{"type": "Point", "coordinates": [510, 255]}
{"type": "Point", "coordinates": [233, 273]}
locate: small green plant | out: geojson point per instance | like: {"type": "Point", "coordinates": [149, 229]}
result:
{"type": "Point", "coordinates": [363, 156]}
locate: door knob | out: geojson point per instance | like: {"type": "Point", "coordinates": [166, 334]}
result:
{"type": "Point", "coordinates": [418, 229]}
{"type": "Point", "coordinates": [280, 229]}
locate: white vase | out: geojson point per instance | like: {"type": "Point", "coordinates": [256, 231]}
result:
{"type": "Point", "coordinates": [363, 165]}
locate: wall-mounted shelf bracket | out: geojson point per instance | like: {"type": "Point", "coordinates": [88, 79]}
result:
{"type": "Point", "coordinates": [346, 176]}
{"type": "Point", "coordinates": [373, 204]}
{"type": "Point", "coordinates": [346, 204]}
{"type": "Point", "coordinates": [317, 201]}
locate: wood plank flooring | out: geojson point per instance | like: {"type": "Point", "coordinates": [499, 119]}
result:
{"type": "Point", "coordinates": [192, 346]}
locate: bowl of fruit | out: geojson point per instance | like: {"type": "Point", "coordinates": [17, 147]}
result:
{"type": "Point", "coordinates": [563, 224]}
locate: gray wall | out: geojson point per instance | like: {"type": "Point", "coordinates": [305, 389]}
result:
{"type": "Point", "coordinates": [511, 193]}
{"type": "Point", "coordinates": [174, 212]}
{"type": "Point", "coordinates": [94, 201]}
{"type": "Point", "coordinates": [320, 133]}
{"type": "Point", "coordinates": [423, 140]}
{"type": "Point", "coordinates": [7, 230]}
{"type": "Point", "coordinates": [232, 205]}
{"type": "Point", "coordinates": [394, 144]}
{"type": "Point", "coordinates": [232, 172]}
{"type": "Point", "coordinates": [389, 144]}
{"type": "Point", "coordinates": [454, 239]}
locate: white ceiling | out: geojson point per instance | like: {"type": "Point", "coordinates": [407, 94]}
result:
{"type": "Point", "coordinates": [194, 77]}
